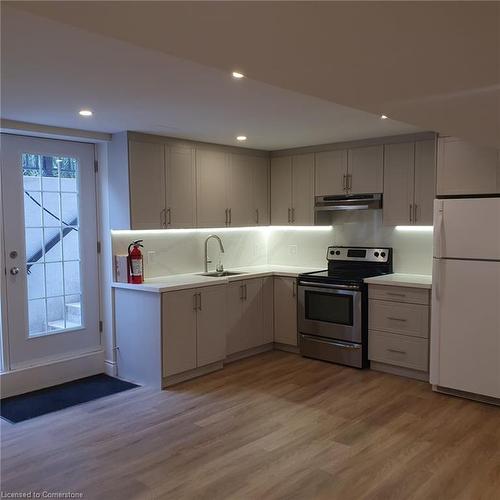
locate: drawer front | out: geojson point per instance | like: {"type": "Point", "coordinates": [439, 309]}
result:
{"type": "Point", "coordinates": [398, 317]}
{"type": "Point", "coordinates": [399, 294]}
{"type": "Point", "coordinates": [398, 350]}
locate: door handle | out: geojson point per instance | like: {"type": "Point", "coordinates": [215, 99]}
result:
{"type": "Point", "coordinates": [256, 215]}
{"type": "Point", "coordinates": [169, 212]}
{"type": "Point", "coordinates": [14, 271]}
{"type": "Point", "coordinates": [411, 212]}
{"type": "Point", "coordinates": [415, 212]}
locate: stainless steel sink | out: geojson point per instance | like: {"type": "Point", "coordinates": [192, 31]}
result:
{"type": "Point", "coordinates": [215, 274]}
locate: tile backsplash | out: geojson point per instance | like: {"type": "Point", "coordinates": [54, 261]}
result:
{"type": "Point", "coordinates": [181, 251]}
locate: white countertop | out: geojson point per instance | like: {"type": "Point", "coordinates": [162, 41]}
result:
{"type": "Point", "coordinates": [194, 280]}
{"type": "Point", "coordinates": [399, 279]}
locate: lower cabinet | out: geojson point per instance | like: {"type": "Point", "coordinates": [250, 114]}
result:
{"type": "Point", "coordinates": [249, 306]}
{"type": "Point", "coordinates": [398, 335]}
{"type": "Point", "coordinates": [285, 311]}
{"type": "Point", "coordinates": [193, 328]}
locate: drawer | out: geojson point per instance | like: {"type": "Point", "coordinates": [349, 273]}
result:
{"type": "Point", "coordinates": [399, 294]}
{"type": "Point", "coordinates": [399, 317]}
{"type": "Point", "coordinates": [398, 350]}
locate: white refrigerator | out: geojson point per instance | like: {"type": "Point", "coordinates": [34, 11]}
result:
{"type": "Point", "coordinates": [465, 325]}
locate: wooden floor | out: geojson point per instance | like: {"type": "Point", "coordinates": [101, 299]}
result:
{"type": "Point", "coordinates": [272, 426]}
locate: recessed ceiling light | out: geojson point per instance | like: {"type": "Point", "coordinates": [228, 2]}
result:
{"type": "Point", "coordinates": [85, 112]}
{"type": "Point", "coordinates": [238, 75]}
{"type": "Point", "coordinates": [241, 138]}
{"type": "Point", "coordinates": [383, 117]}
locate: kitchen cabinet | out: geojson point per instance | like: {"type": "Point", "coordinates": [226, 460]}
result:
{"type": "Point", "coordinates": [365, 167]}
{"type": "Point", "coordinates": [292, 190]}
{"type": "Point", "coordinates": [248, 194]}
{"type": "Point", "coordinates": [399, 328]}
{"type": "Point", "coordinates": [212, 169]}
{"type": "Point", "coordinates": [285, 311]}
{"type": "Point", "coordinates": [160, 182]}
{"type": "Point", "coordinates": [466, 169]}
{"type": "Point", "coordinates": [180, 187]}
{"type": "Point", "coordinates": [409, 172]}
{"type": "Point", "coordinates": [331, 173]}
{"type": "Point", "coordinates": [147, 184]}
{"type": "Point", "coordinates": [193, 328]}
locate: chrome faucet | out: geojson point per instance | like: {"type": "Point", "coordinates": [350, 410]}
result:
{"type": "Point", "coordinates": [220, 267]}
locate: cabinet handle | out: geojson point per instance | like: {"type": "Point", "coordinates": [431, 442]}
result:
{"type": "Point", "coordinates": [293, 215]}
{"type": "Point", "coordinates": [230, 217]}
{"type": "Point", "coordinates": [226, 216]}
{"type": "Point", "coordinates": [256, 215]}
{"type": "Point", "coordinates": [411, 212]}
{"type": "Point", "coordinates": [397, 351]}
{"type": "Point", "coordinates": [349, 182]}
{"type": "Point", "coordinates": [344, 184]}
{"type": "Point", "coordinates": [195, 301]}
{"type": "Point", "coordinates": [199, 301]}
{"type": "Point", "coordinates": [163, 218]}
{"type": "Point", "coordinates": [241, 292]}
{"type": "Point", "coordinates": [289, 215]}
{"type": "Point", "coordinates": [394, 294]}
{"type": "Point", "coordinates": [396, 319]}
{"type": "Point", "coordinates": [169, 212]}
{"type": "Point", "coordinates": [415, 212]}
{"type": "Point", "coordinates": [245, 287]}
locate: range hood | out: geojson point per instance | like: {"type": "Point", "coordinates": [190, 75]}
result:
{"type": "Point", "coordinates": [347, 202]}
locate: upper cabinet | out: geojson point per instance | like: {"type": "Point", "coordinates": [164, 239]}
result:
{"type": "Point", "coordinates": [163, 184]}
{"type": "Point", "coordinates": [147, 185]}
{"type": "Point", "coordinates": [353, 171]}
{"type": "Point", "coordinates": [466, 169]}
{"type": "Point", "coordinates": [409, 172]}
{"type": "Point", "coordinates": [212, 169]}
{"type": "Point", "coordinates": [365, 167]}
{"type": "Point", "coordinates": [292, 190]}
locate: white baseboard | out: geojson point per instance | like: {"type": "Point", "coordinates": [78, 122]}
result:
{"type": "Point", "coordinates": [190, 374]}
{"type": "Point", "coordinates": [467, 395]}
{"type": "Point", "coordinates": [247, 353]}
{"type": "Point", "coordinates": [400, 371]}
{"type": "Point", "coordinates": [23, 380]}
{"type": "Point", "coordinates": [110, 368]}
{"type": "Point", "coordinates": [278, 346]}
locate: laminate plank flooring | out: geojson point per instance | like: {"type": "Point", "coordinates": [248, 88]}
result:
{"type": "Point", "coordinates": [274, 426]}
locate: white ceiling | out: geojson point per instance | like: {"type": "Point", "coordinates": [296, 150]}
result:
{"type": "Point", "coordinates": [432, 64]}
{"type": "Point", "coordinates": [51, 70]}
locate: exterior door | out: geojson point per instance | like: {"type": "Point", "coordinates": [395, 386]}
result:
{"type": "Point", "coordinates": [50, 245]}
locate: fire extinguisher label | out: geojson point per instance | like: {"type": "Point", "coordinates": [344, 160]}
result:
{"type": "Point", "coordinates": [136, 266]}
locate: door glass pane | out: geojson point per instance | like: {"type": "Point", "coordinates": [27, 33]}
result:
{"type": "Point", "coordinates": [328, 307]}
{"type": "Point", "coordinates": [51, 215]}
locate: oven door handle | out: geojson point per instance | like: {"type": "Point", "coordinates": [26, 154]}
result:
{"type": "Point", "coordinates": [342, 345]}
{"type": "Point", "coordinates": [332, 287]}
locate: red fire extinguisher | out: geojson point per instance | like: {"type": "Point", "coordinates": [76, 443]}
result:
{"type": "Point", "coordinates": [135, 263]}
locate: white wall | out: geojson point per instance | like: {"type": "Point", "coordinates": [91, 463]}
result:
{"type": "Point", "coordinates": [181, 251]}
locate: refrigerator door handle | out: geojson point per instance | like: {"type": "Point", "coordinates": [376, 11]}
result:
{"type": "Point", "coordinates": [438, 228]}
{"type": "Point", "coordinates": [437, 286]}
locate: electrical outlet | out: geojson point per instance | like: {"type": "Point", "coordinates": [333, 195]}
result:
{"type": "Point", "coordinates": [292, 249]}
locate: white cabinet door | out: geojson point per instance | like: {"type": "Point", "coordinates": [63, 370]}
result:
{"type": "Point", "coordinates": [465, 334]}
{"type": "Point", "coordinates": [211, 188]}
{"type": "Point", "coordinates": [260, 167]}
{"type": "Point", "coordinates": [252, 313]}
{"type": "Point", "coordinates": [303, 190]}
{"type": "Point", "coordinates": [236, 330]}
{"type": "Point", "coordinates": [147, 185]}
{"type": "Point", "coordinates": [211, 324]}
{"type": "Point", "coordinates": [398, 184]}
{"type": "Point", "coordinates": [179, 331]}
{"type": "Point", "coordinates": [281, 191]}
{"type": "Point", "coordinates": [240, 190]}
{"type": "Point", "coordinates": [366, 170]}
{"type": "Point", "coordinates": [285, 310]}
{"type": "Point", "coordinates": [425, 182]}
{"type": "Point", "coordinates": [465, 168]}
{"type": "Point", "coordinates": [181, 187]}
{"type": "Point", "coordinates": [331, 171]}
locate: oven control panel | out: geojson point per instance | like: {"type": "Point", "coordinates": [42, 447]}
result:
{"type": "Point", "coordinates": [362, 254]}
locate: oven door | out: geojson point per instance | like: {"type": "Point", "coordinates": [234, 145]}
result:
{"type": "Point", "coordinates": [331, 311]}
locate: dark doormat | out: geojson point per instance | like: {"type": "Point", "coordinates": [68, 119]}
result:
{"type": "Point", "coordinates": [33, 404]}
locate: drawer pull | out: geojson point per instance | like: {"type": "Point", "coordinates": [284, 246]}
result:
{"type": "Point", "coordinates": [396, 319]}
{"type": "Point", "coordinates": [397, 351]}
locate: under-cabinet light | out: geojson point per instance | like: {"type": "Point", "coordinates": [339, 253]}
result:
{"type": "Point", "coordinates": [422, 229]}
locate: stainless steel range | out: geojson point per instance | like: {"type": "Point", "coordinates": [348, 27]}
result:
{"type": "Point", "coordinates": [333, 305]}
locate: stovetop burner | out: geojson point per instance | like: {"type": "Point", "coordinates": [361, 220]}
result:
{"type": "Point", "coordinates": [351, 265]}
